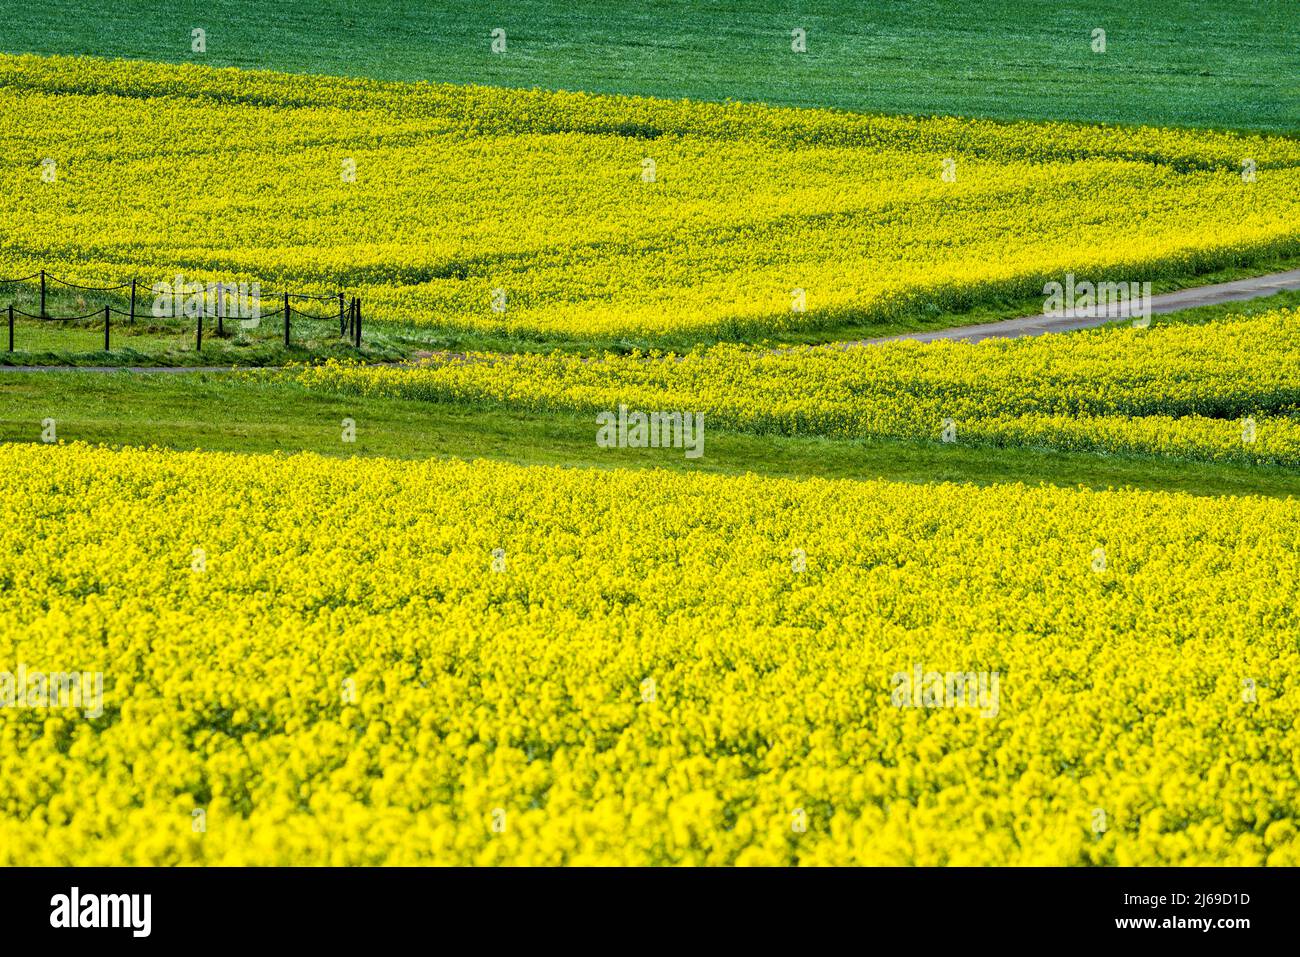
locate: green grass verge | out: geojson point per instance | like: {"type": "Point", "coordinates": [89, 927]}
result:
{"type": "Point", "coordinates": [152, 342]}
{"type": "Point", "coordinates": [1166, 62]}
{"type": "Point", "coordinates": [226, 413]}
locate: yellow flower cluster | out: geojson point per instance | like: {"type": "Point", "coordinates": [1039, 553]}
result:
{"type": "Point", "coordinates": [564, 215]}
{"type": "Point", "coordinates": [1221, 390]}
{"type": "Point", "coordinates": [311, 660]}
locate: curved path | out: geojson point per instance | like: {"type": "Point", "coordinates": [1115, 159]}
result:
{"type": "Point", "coordinates": [1234, 291]}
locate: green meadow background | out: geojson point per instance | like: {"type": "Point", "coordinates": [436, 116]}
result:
{"type": "Point", "coordinates": [1167, 62]}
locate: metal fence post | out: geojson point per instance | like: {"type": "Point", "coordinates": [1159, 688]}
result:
{"type": "Point", "coordinates": [106, 310]}
{"type": "Point", "coordinates": [132, 301]}
{"type": "Point", "coordinates": [11, 327]}
{"type": "Point", "coordinates": [42, 293]}
{"type": "Point", "coordinates": [286, 320]}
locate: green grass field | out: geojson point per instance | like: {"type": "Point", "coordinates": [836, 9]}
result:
{"type": "Point", "coordinates": [1167, 62]}
{"type": "Point", "coordinates": [261, 412]}
{"type": "Point", "coordinates": [224, 412]}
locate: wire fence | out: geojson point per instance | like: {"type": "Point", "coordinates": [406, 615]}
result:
{"type": "Point", "coordinates": [347, 315]}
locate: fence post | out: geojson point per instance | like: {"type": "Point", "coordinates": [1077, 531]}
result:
{"type": "Point", "coordinates": [221, 309]}
{"type": "Point", "coordinates": [198, 342]}
{"type": "Point", "coordinates": [286, 320]}
{"type": "Point", "coordinates": [342, 322]}
{"type": "Point", "coordinates": [42, 293]}
{"type": "Point", "coordinates": [106, 309]}
{"type": "Point", "coordinates": [132, 302]}
{"type": "Point", "coordinates": [11, 327]}
{"type": "Point", "coordinates": [358, 323]}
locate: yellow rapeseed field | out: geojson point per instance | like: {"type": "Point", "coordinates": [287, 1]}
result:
{"type": "Point", "coordinates": [309, 660]}
{"type": "Point", "coordinates": [1223, 390]}
{"type": "Point", "coordinates": [574, 216]}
